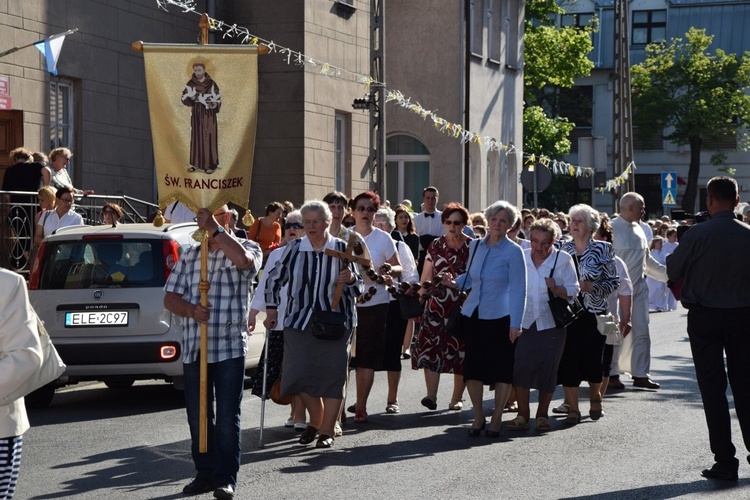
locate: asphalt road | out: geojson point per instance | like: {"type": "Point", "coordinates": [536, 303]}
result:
{"type": "Point", "coordinates": [95, 442]}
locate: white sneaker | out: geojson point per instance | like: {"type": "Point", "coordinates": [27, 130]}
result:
{"type": "Point", "coordinates": [289, 424]}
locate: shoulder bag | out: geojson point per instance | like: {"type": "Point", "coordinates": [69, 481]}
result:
{"type": "Point", "coordinates": [328, 325]}
{"type": "Point", "coordinates": [456, 320]}
{"type": "Point", "coordinates": [563, 311]}
{"type": "Point", "coordinates": [51, 369]}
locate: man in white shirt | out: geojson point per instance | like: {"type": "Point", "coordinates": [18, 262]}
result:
{"type": "Point", "coordinates": [630, 244]}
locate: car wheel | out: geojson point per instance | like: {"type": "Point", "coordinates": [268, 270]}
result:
{"type": "Point", "coordinates": [119, 383]}
{"type": "Point", "coordinates": [40, 398]}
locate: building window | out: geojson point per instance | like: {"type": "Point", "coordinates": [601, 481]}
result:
{"type": "Point", "coordinates": [477, 26]}
{"type": "Point", "coordinates": [61, 116]}
{"type": "Point", "coordinates": [653, 143]}
{"type": "Point", "coordinates": [512, 21]}
{"type": "Point", "coordinates": [577, 105]}
{"type": "Point", "coordinates": [407, 169]}
{"type": "Point", "coordinates": [579, 20]}
{"type": "Point", "coordinates": [649, 26]}
{"type": "Point", "coordinates": [341, 151]}
{"type": "Point", "coordinates": [494, 33]}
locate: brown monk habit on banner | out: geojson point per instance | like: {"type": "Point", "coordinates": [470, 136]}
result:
{"type": "Point", "coordinates": [203, 96]}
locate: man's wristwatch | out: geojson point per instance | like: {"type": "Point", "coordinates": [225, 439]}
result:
{"type": "Point", "coordinates": [218, 231]}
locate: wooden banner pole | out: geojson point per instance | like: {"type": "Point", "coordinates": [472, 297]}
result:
{"type": "Point", "coordinates": [204, 287]}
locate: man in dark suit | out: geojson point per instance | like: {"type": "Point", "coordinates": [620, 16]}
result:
{"type": "Point", "coordinates": [711, 259]}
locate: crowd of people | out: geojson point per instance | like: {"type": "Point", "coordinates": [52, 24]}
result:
{"type": "Point", "coordinates": [335, 297]}
{"type": "Point", "coordinates": [353, 285]}
{"type": "Point", "coordinates": [436, 250]}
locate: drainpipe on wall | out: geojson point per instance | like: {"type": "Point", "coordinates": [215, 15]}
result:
{"type": "Point", "coordinates": [599, 43]}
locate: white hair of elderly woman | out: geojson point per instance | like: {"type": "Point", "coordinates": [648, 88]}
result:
{"type": "Point", "coordinates": [499, 205]}
{"type": "Point", "coordinates": [389, 215]}
{"type": "Point", "coordinates": [590, 216]}
{"type": "Point", "coordinates": [295, 216]}
{"type": "Point", "coordinates": [317, 205]}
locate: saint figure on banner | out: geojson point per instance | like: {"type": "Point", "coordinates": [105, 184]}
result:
{"type": "Point", "coordinates": [202, 95]}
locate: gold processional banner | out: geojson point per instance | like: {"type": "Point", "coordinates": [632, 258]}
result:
{"type": "Point", "coordinates": [203, 103]}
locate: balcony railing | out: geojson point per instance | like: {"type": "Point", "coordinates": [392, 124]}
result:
{"type": "Point", "coordinates": [18, 221]}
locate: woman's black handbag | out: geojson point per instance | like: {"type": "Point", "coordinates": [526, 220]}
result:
{"type": "Point", "coordinates": [328, 325]}
{"type": "Point", "coordinates": [456, 320]}
{"type": "Point", "coordinates": [563, 311]}
{"type": "Point", "coordinates": [410, 306]}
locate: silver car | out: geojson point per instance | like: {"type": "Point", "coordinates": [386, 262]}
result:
{"type": "Point", "coordinates": [100, 291]}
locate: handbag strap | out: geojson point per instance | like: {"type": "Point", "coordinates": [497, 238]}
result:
{"type": "Point", "coordinates": [554, 264]}
{"type": "Point", "coordinates": [471, 259]}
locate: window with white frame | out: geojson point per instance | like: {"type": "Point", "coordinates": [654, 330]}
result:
{"type": "Point", "coordinates": [61, 116]}
{"type": "Point", "coordinates": [341, 149]}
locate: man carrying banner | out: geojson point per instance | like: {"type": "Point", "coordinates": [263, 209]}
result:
{"type": "Point", "coordinates": [231, 267]}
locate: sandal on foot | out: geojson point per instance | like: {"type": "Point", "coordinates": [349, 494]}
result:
{"type": "Point", "coordinates": [429, 402]}
{"type": "Point", "coordinates": [324, 441]}
{"type": "Point", "coordinates": [563, 408]}
{"type": "Point", "coordinates": [543, 424]}
{"type": "Point", "coordinates": [337, 430]}
{"type": "Point", "coordinates": [594, 413]}
{"type": "Point", "coordinates": [360, 417]}
{"type": "Point", "coordinates": [308, 435]}
{"type": "Point", "coordinates": [476, 431]}
{"type": "Point", "coordinates": [299, 427]}
{"type": "Point", "coordinates": [456, 405]}
{"type": "Point", "coordinates": [392, 407]}
{"type": "Point", "coordinates": [573, 418]}
{"type": "Point", "coordinates": [518, 424]}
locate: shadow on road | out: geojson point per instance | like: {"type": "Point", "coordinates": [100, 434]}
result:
{"type": "Point", "coordinates": [672, 490]}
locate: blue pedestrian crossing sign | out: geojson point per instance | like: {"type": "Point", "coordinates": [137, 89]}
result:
{"type": "Point", "coordinates": [669, 189]}
{"type": "Point", "coordinates": [669, 197]}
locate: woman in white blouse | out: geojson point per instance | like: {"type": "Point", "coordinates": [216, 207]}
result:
{"type": "Point", "coordinates": [539, 350]}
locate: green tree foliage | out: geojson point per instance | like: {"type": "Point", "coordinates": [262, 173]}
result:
{"type": "Point", "coordinates": [553, 57]}
{"type": "Point", "coordinates": [697, 97]}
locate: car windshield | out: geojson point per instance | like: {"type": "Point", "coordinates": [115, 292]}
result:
{"type": "Point", "coordinates": [104, 263]}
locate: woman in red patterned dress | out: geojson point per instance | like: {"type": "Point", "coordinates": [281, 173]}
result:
{"type": "Point", "coordinates": [435, 350]}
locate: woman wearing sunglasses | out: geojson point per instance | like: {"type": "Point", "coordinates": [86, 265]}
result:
{"type": "Point", "coordinates": [435, 350]}
{"type": "Point", "coordinates": [372, 315]}
{"type": "Point", "coordinates": [111, 214]}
